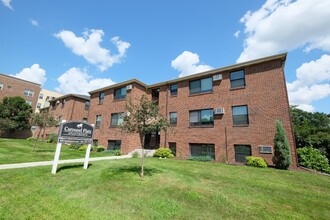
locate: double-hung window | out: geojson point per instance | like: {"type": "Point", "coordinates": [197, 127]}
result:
{"type": "Point", "coordinates": [201, 85]}
{"type": "Point", "coordinates": [173, 118]}
{"type": "Point", "coordinates": [202, 150]}
{"type": "Point", "coordinates": [174, 89]}
{"type": "Point", "coordinates": [240, 115]}
{"type": "Point", "coordinates": [237, 79]}
{"type": "Point", "coordinates": [98, 121]}
{"type": "Point", "coordinates": [116, 119]}
{"type": "Point", "coordinates": [201, 117]}
{"type": "Point", "coordinates": [120, 93]}
{"type": "Point", "coordinates": [101, 97]}
{"type": "Point", "coordinates": [114, 144]}
{"type": "Point", "coordinates": [28, 92]}
{"type": "Point", "coordinates": [87, 104]}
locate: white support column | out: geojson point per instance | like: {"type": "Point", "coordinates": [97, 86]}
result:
{"type": "Point", "coordinates": [57, 157]}
{"type": "Point", "coordinates": [88, 150]}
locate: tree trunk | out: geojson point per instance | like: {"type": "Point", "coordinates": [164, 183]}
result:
{"type": "Point", "coordinates": [142, 139]}
{"type": "Point", "coordinates": [36, 141]}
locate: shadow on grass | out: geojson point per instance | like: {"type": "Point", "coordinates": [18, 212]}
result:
{"type": "Point", "coordinates": [124, 170]}
{"type": "Point", "coordinates": [66, 167]}
{"type": "Point", "coordinates": [46, 150]}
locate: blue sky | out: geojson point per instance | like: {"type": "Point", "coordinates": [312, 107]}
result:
{"type": "Point", "coordinates": [77, 46]}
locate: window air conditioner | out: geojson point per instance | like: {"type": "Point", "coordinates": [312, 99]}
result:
{"type": "Point", "coordinates": [129, 87]}
{"type": "Point", "coordinates": [217, 77]}
{"type": "Point", "coordinates": [219, 111]}
{"type": "Point", "coordinates": [265, 149]}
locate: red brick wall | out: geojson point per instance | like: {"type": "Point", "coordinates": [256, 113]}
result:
{"type": "Point", "coordinates": [15, 87]}
{"type": "Point", "coordinates": [266, 97]}
{"type": "Point", "coordinates": [129, 142]}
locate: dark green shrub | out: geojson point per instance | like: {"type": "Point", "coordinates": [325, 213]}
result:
{"type": "Point", "coordinates": [52, 138]}
{"type": "Point", "coordinates": [256, 161]}
{"type": "Point", "coordinates": [201, 158]}
{"type": "Point", "coordinates": [75, 146]}
{"type": "Point", "coordinates": [282, 155]}
{"type": "Point", "coordinates": [313, 159]}
{"type": "Point", "coordinates": [83, 148]}
{"type": "Point", "coordinates": [100, 148]}
{"type": "Point", "coordinates": [163, 153]}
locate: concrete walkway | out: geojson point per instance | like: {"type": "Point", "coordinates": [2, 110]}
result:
{"type": "Point", "coordinates": [48, 163]}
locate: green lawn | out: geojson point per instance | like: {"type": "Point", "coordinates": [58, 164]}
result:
{"type": "Point", "coordinates": [171, 189]}
{"type": "Point", "coordinates": [20, 151]}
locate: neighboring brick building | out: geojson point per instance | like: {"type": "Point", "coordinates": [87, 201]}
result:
{"type": "Point", "coordinates": [70, 107]}
{"type": "Point", "coordinates": [226, 113]}
{"type": "Point", "coordinates": [12, 86]}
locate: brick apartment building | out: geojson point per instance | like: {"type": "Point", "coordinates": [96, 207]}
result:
{"type": "Point", "coordinates": [226, 113]}
{"type": "Point", "coordinates": [12, 86]}
{"type": "Point", "coordinates": [70, 107]}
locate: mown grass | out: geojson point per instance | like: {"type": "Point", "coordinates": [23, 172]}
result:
{"type": "Point", "coordinates": [171, 189]}
{"type": "Point", "coordinates": [20, 151]}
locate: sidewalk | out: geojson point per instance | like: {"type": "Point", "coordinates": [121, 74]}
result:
{"type": "Point", "coordinates": [48, 163]}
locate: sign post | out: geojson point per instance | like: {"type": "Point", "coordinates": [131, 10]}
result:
{"type": "Point", "coordinates": [73, 132]}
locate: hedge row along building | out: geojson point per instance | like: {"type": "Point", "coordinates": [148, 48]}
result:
{"type": "Point", "coordinates": [226, 113]}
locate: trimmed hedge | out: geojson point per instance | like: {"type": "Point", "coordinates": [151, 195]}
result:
{"type": "Point", "coordinates": [256, 162]}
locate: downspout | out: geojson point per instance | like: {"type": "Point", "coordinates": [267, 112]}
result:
{"type": "Point", "coordinates": [226, 143]}
{"type": "Point", "coordinates": [166, 109]}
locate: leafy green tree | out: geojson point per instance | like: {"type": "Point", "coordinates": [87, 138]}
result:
{"type": "Point", "coordinates": [15, 114]}
{"type": "Point", "coordinates": [282, 155]}
{"type": "Point", "coordinates": [42, 121]}
{"type": "Point", "coordinates": [143, 118]}
{"type": "Point", "coordinates": [311, 130]}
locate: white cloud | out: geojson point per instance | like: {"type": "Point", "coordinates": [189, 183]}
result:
{"type": "Point", "coordinates": [281, 25]}
{"type": "Point", "coordinates": [89, 47]}
{"type": "Point", "coordinates": [33, 74]}
{"type": "Point", "coordinates": [78, 81]}
{"type": "Point", "coordinates": [7, 4]}
{"type": "Point", "coordinates": [34, 22]}
{"type": "Point", "coordinates": [237, 34]}
{"type": "Point", "coordinates": [188, 63]}
{"type": "Point", "coordinates": [312, 83]}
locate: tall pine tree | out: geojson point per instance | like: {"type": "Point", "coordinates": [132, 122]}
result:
{"type": "Point", "coordinates": [282, 155]}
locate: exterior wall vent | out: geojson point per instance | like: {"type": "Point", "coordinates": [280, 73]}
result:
{"type": "Point", "coordinates": [217, 77]}
{"type": "Point", "coordinates": [219, 111]}
{"type": "Point", "coordinates": [129, 87]}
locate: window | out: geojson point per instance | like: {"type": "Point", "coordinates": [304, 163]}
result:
{"type": "Point", "coordinates": [240, 115]}
{"type": "Point", "coordinates": [201, 117]}
{"type": "Point", "coordinates": [1, 86]}
{"type": "Point", "coordinates": [201, 85]}
{"type": "Point", "coordinates": [63, 102]}
{"type": "Point", "coordinates": [114, 144]}
{"type": "Point", "coordinates": [87, 104]}
{"type": "Point", "coordinates": [174, 89]}
{"type": "Point", "coordinates": [172, 147]}
{"type": "Point", "coordinates": [173, 118]}
{"type": "Point", "coordinates": [241, 152]}
{"type": "Point", "coordinates": [53, 105]}
{"type": "Point", "coordinates": [28, 92]}
{"type": "Point", "coordinates": [84, 120]}
{"type": "Point", "coordinates": [38, 105]}
{"type": "Point", "coordinates": [101, 97]}
{"type": "Point", "coordinates": [120, 93]}
{"type": "Point", "coordinates": [202, 150]}
{"type": "Point", "coordinates": [116, 119]}
{"type": "Point", "coordinates": [237, 79]}
{"type": "Point", "coordinates": [98, 121]}
{"type": "Point", "coordinates": [41, 96]}
{"type": "Point", "coordinates": [28, 102]}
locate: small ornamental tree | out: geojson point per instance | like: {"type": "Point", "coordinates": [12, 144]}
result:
{"type": "Point", "coordinates": [15, 114]}
{"type": "Point", "coordinates": [143, 118]}
{"type": "Point", "coordinates": [42, 121]}
{"type": "Point", "coordinates": [282, 155]}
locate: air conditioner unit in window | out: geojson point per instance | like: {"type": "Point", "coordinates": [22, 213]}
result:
{"type": "Point", "coordinates": [219, 111]}
{"type": "Point", "coordinates": [265, 149]}
{"type": "Point", "coordinates": [129, 87]}
{"type": "Point", "coordinates": [217, 77]}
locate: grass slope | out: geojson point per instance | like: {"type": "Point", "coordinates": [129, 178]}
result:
{"type": "Point", "coordinates": [20, 151]}
{"type": "Point", "coordinates": [171, 189]}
